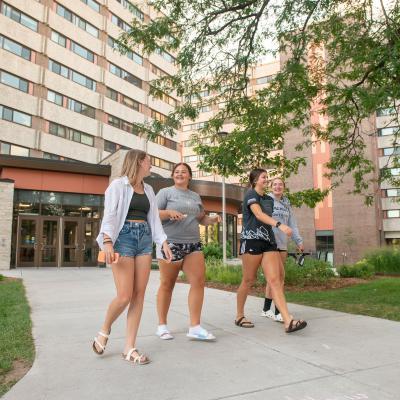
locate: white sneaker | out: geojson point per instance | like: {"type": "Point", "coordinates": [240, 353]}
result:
{"type": "Point", "coordinates": [278, 318]}
{"type": "Point", "coordinates": [164, 333]}
{"type": "Point", "coordinates": [268, 314]}
{"type": "Point", "coordinates": [201, 335]}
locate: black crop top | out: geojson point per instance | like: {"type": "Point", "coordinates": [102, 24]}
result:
{"type": "Point", "coordinates": [139, 207]}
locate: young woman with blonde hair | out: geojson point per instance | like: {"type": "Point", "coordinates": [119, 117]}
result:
{"type": "Point", "coordinates": [130, 225]}
{"type": "Point", "coordinates": [258, 247]}
{"type": "Point", "coordinates": [284, 214]}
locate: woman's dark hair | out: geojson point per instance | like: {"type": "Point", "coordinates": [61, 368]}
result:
{"type": "Point", "coordinates": [254, 175]}
{"type": "Point", "coordinates": [185, 165]}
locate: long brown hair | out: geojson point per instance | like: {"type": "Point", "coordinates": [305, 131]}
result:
{"type": "Point", "coordinates": [131, 164]}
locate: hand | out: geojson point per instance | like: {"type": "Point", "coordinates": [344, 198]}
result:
{"type": "Point", "coordinates": [109, 252]}
{"type": "Point", "coordinates": [284, 228]}
{"type": "Point", "coordinates": [167, 252]}
{"type": "Point", "coordinates": [216, 219]}
{"type": "Point", "coordinates": [176, 215]}
{"type": "Point", "coordinates": [300, 248]}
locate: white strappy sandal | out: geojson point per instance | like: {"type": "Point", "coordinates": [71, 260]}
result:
{"type": "Point", "coordinates": [98, 344]}
{"type": "Point", "coordinates": [141, 359]}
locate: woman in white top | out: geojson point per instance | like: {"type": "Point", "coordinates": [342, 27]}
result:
{"type": "Point", "coordinates": [130, 225]}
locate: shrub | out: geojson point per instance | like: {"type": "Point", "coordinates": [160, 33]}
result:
{"type": "Point", "coordinates": [385, 261]}
{"type": "Point", "coordinates": [212, 250]}
{"type": "Point", "coordinates": [313, 272]}
{"type": "Point", "coordinates": [227, 274]}
{"type": "Point", "coordinates": [361, 269]}
{"type": "Point", "coordinates": [1, 277]}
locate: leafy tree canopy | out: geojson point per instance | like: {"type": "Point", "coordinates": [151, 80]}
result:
{"type": "Point", "coordinates": [343, 55]}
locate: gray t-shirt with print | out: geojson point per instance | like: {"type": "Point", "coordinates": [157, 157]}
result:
{"type": "Point", "coordinates": [186, 202]}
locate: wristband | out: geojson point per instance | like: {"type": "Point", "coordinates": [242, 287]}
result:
{"type": "Point", "coordinates": [278, 224]}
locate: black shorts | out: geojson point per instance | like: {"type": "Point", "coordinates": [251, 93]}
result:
{"type": "Point", "coordinates": [180, 250]}
{"type": "Point", "coordinates": [255, 246]}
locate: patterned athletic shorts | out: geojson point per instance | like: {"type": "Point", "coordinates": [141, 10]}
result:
{"type": "Point", "coordinates": [180, 250]}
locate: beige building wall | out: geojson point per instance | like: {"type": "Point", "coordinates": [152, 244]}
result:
{"type": "Point", "coordinates": [36, 140]}
{"type": "Point", "coordinates": [6, 213]}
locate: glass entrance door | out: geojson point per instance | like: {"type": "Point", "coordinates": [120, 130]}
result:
{"type": "Point", "coordinates": [79, 247]}
{"type": "Point", "coordinates": [48, 254]}
{"type": "Point", "coordinates": [37, 240]}
{"type": "Point", "coordinates": [27, 238]}
{"type": "Point", "coordinates": [90, 248]}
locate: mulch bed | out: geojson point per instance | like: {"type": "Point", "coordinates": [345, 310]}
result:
{"type": "Point", "coordinates": [258, 290]}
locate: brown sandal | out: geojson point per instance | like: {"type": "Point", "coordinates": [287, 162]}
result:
{"type": "Point", "coordinates": [97, 345]}
{"type": "Point", "coordinates": [293, 327]}
{"type": "Point", "coordinates": [244, 324]}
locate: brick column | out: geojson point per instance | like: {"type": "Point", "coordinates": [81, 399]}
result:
{"type": "Point", "coordinates": [6, 213]}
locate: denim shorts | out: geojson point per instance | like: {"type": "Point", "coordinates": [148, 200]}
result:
{"type": "Point", "coordinates": [134, 240]}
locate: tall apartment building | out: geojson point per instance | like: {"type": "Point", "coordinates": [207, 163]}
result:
{"type": "Point", "coordinates": [66, 93]}
{"type": "Point", "coordinates": [387, 147]}
{"type": "Point", "coordinates": [341, 228]}
{"type": "Point", "coordinates": [259, 76]}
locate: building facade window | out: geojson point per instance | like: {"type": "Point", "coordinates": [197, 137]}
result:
{"type": "Point", "coordinates": [71, 134]}
{"type": "Point", "coordinates": [121, 98]}
{"type": "Point", "coordinates": [132, 8]}
{"type": "Point", "coordinates": [82, 51]}
{"type": "Point", "coordinates": [393, 213]}
{"type": "Point", "coordinates": [54, 97]}
{"type": "Point", "coordinates": [391, 130]}
{"type": "Point", "coordinates": [94, 5]}
{"type": "Point", "coordinates": [163, 141]}
{"type": "Point", "coordinates": [51, 156]}
{"type": "Point", "coordinates": [389, 151]}
{"type": "Point", "coordinates": [14, 150]}
{"type": "Point", "coordinates": [18, 16]}
{"type": "Point", "coordinates": [264, 79]}
{"type": "Point", "coordinates": [76, 20]}
{"type": "Point", "coordinates": [120, 23]}
{"type": "Point", "coordinates": [18, 117]}
{"type": "Point", "coordinates": [125, 75]}
{"type": "Point", "coordinates": [121, 124]}
{"type": "Point", "coordinates": [166, 56]}
{"type": "Point", "coordinates": [72, 75]}
{"type": "Point", "coordinates": [383, 112]}
{"type": "Point", "coordinates": [130, 54]}
{"type": "Point", "coordinates": [14, 81]}
{"type": "Point", "coordinates": [158, 116]}
{"type": "Point", "coordinates": [58, 38]}
{"type": "Point", "coordinates": [392, 192]}
{"type": "Point", "coordinates": [164, 164]}
{"type": "Point", "coordinates": [158, 71]}
{"type": "Point", "coordinates": [15, 48]}
{"type": "Point", "coordinates": [325, 245]}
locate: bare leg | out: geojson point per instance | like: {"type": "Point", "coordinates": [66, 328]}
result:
{"type": "Point", "coordinates": [123, 272]}
{"type": "Point", "coordinates": [271, 266]}
{"type": "Point", "coordinates": [250, 264]}
{"type": "Point", "coordinates": [141, 278]}
{"type": "Point", "coordinates": [268, 293]}
{"type": "Point", "coordinates": [195, 270]}
{"type": "Point", "coordinates": [168, 274]}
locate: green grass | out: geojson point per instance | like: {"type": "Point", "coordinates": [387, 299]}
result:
{"type": "Point", "coordinates": [16, 342]}
{"type": "Point", "coordinates": [379, 298]}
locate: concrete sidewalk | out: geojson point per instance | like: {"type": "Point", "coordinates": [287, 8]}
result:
{"type": "Point", "coordinates": [338, 357]}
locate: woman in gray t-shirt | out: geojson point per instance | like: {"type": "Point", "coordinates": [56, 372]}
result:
{"type": "Point", "coordinates": [181, 212]}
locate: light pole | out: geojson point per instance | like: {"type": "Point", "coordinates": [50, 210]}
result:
{"type": "Point", "coordinates": [222, 135]}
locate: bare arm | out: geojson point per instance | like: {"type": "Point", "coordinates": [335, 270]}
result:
{"type": "Point", "coordinates": [266, 219]}
{"type": "Point", "coordinates": [171, 214]}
